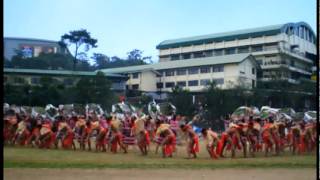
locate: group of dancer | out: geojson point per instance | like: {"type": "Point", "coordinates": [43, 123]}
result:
{"type": "Point", "coordinates": [111, 133]}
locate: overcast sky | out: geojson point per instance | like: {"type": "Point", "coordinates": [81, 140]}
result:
{"type": "Point", "coordinates": [123, 25]}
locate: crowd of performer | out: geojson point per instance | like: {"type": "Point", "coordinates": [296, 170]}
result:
{"type": "Point", "coordinates": [113, 133]}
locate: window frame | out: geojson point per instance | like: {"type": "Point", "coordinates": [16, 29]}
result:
{"type": "Point", "coordinates": [166, 84]}
{"type": "Point", "coordinates": [192, 85]}
{"type": "Point", "coordinates": [189, 70]}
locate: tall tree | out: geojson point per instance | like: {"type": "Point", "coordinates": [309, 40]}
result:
{"type": "Point", "coordinates": [78, 38]}
{"type": "Point", "coordinates": [136, 56]}
{"type": "Point", "coordinates": [101, 60]}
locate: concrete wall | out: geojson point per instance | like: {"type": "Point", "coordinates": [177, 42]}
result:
{"type": "Point", "coordinates": [148, 81]}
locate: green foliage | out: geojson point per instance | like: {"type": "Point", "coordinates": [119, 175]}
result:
{"type": "Point", "coordinates": [182, 99]}
{"type": "Point", "coordinates": [101, 60]}
{"type": "Point", "coordinates": [221, 102]}
{"type": "Point", "coordinates": [47, 61]}
{"type": "Point", "coordinates": [50, 91]}
{"type": "Point", "coordinates": [135, 57]}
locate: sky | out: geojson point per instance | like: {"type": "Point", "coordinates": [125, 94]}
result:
{"type": "Point", "coordinates": [123, 25]}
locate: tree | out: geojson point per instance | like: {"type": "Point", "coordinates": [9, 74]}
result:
{"type": "Point", "coordinates": [182, 99]}
{"type": "Point", "coordinates": [7, 63]}
{"type": "Point", "coordinates": [136, 57]}
{"type": "Point", "coordinates": [78, 38]}
{"type": "Point", "coordinates": [95, 89]}
{"type": "Point", "coordinates": [101, 61]}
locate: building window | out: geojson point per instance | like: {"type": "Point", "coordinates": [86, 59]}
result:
{"type": "Point", "coordinates": [205, 69]}
{"type": "Point", "coordinates": [135, 86]}
{"type": "Point", "coordinates": [271, 46]}
{"type": "Point", "coordinates": [135, 75]}
{"type": "Point", "coordinates": [218, 52]}
{"type": "Point", "coordinates": [204, 82]}
{"type": "Point", "coordinates": [218, 81]}
{"type": "Point", "coordinates": [19, 80]}
{"type": "Point", "coordinates": [253, 83]}
{"type": "Point", "coordinates": [175, 57]}
{"type": "Point", "coordinates": [253, 71]}
{"type": "Point", "coordinates": [230, 51]}
{"type": "Point", "coordinates": [243, 50]}
{"type": "Point", "coordinates": [181, 72]}
{"type": "Point", "coordinates": [193, 71]}
{"type": "Point", "coordinates": [218, 68]}
{"type": "Point", "coordinates": [35, 80]}
{"type": "Point", "coordinates": [259, 61]}
{"type": "Point", "coordinates": [208, 53]}
{"type": "Point", "coordinates": [169, 84]}
{"type": "Point", "coordinates": [198, 55]}
{"type": "Point", "coordinates": [169, 72]}
{"type": "Point", "coordinates": [181, 83]}
{"type": "Point", "coordinates": [193, 83]}
{"type": "Point", "coordinates": [256, 48]}
{"type": "Point", "coordinates": [186, 56]}
{"type": "Point", "coordinates": [159, 85]}
{"type": "Point", "coordinates": [68, 82]}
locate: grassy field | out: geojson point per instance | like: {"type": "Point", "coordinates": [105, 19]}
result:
{"type": "Point", "coordinates": [22, 157]}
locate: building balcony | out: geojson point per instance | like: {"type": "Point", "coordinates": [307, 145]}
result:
{"type": "Point", "coordinates": [291, 68]}
{"type": "Point", "coordinates": [298, 55]}
{"type": "Point", "coordinates": [293, 81]}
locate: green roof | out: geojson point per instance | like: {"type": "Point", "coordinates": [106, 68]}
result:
{"type": "Point", "coordinates": [215, 60]}
{"type": "Point", "coordinates": [57, 72]}
{"type": "Point", "coordinates": [245, 33]}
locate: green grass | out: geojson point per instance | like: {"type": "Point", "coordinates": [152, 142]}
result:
{"type": "Point", "coordinates": [22, 157]}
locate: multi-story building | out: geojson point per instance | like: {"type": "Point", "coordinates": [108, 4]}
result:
{"type": "Point", "coordinates": [68, 78]}
{"type": "Point", "coordinates": [193, 74]}
{"type": "Point", "coordinates": [30, 47]}
{"type": "Point", "coordinates": [286, 51]}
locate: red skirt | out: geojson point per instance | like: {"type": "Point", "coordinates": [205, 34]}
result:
{"type": "Point", "coordinates": [236, 142]}
{"type": "Point", "coordinates": [169, 147]}
{"type": "Point", "coordinates": [302, 144]}
{"type": "Point", "coordinates": [221, 142]}
{"type": "Point", "coordinates": [147, 137]}
{"type": "Point", "coordinates": [68, 140]}
{"type": "Point", "coordinates": [266, 141]}
{"type": "Point", "coordinates": [115, 142]}
{"type": "Point", "coordinates": [50, 141]}
{"type": "Point", "coordinates": [195, 146]}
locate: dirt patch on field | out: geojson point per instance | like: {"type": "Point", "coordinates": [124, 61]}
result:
{"type": "Point", "coordinates": [151, 174]}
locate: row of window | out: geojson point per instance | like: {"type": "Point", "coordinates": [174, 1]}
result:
{"type": "Point", "coordinates": [36, 81]}
{"type": "Point", "coordinates": [193, 70]}
{"type": "Point", "coordinates": [203, 82]}
{"type": "Point", "coordinates": [225, 51]}
{"type": "Point", "coordinates": [219, 41]}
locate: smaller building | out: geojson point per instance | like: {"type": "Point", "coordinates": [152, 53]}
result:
{"type": "Point", "coordinates": [193, 74]}
{"type": "Point", "coordinates": [30, 47]}
{"type": "Point", "coordinates": [68, 78]}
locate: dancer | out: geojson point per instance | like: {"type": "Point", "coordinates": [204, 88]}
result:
{"type": "Point", "coordinates": [211, 140]}
{"type": "Point", "coordinates": [193, 141]}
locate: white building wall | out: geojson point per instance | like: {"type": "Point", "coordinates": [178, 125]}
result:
{"type": "Point", "coordinates": [148, 81]}
{"type": "Point", "coordinates": [223, 44]}
{"type": "Point", "coordinates": [231, 74]}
